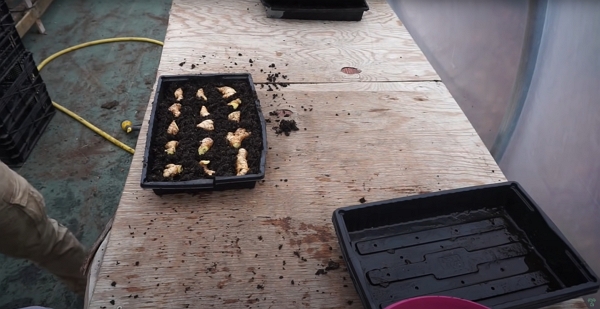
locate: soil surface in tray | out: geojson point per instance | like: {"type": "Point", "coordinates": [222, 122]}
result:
{"type": "Point", "coordinates": [222, 156]}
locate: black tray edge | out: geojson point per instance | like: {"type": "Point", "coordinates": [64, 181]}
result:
{"type": "Point", "coordinates": [352, 14]}
{"type": "Point", "coordinates": [530, 303]}
{"type": "Point", "coordinates": [201, 184]}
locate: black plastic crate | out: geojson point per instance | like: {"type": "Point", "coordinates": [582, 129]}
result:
{"type": "Point", "coordinates": [15, 157]}
{"type": "Point", "coordinates": [17, 144]}
{"type": "Point", "coordinates": [202, 184]}
{"type": "Point", "coordinates": [35, 108]}
{"type": "Point", "coordinates": [489, 244]}
{"type": "Point", "coordinates": [6, 20]}
{"type": "Point", "coordinates": [16, 92]}
{"type": "Point", "coordinates": [12, 80]}
{"type": "Point", "coordinates": [339, 10]}
{"type": "Point", "coordinates": [11, 48]}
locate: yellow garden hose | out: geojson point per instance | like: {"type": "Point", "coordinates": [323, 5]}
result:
{"type": "Point", "coordinates": [77, 117]}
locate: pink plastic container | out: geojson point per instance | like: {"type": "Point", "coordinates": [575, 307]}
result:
{"type": "Point", "coordinates": [435, 302]}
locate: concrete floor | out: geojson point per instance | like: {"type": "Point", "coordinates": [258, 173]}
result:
{"type": "Point", "coordinates": [80, 174]}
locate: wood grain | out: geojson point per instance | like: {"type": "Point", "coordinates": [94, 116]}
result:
{"type": "Point", "coordinates": [32, 15]}
{"type": "Point", "coordinates": [217, 248]}
{"type": "Point", "coordinates": [363, 138]}
{"type": "Point", "coordinates": [305, 51]}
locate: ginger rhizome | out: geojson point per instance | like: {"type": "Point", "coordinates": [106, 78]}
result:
{"type": "Point", "coordinates": [171, 147]}
{"type": "Point", "coordinates": [205, 145]}
{"type": "Point", "coordinates": [207, 171]}
{"type": "Point", "coordinates": [226, 91]}
{"type": "Point", "coordinates": [203, 111]}
{"type": "Point", "coordinates": [235, 103]}
{"type": "Point", "coordinates": [200, 94]}
{"type": "Point", "coordinates": [175, 109]}
{"type": "Point", "coordinates": [179, 94]}
{"type": "Point", "coordinates": [235, 116]}
{"type": "Point", "coordinates": [172, 170]}
{"type": "Point", "coordinates": [235, 139]}
{"type": "Point", "coordinates": [207, 125]}
{"type": "Point", "coordinates": [173, 129]}
{"type": "Point", "coordinates": [241, 164]}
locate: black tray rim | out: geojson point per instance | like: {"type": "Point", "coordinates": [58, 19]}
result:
{"type": "Point", "coordinates": [528, 303]}
{"type": "Point", "coordinates": [272, 7]}
{"type": "Point", "coordinates": [202, 183]}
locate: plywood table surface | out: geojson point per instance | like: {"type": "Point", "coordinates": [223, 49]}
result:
{"type": "Point", "coordinates": [391, 131]}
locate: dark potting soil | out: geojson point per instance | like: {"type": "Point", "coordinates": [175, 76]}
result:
{"type": "Point", "coordinates": [286, 127]}
{"type": "Point", "coordinates": [222, 156]}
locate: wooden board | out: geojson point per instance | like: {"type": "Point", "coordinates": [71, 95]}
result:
{"type": "Point", "coordinates": [363, 139]}
{"type": "Point", "coordinates": [221, 248]}
{"type": "Point", "coordinates": [31, 16]}
{"type": "Point", "coordinates": [305, 51]}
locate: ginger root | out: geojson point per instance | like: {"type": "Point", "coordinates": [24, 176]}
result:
{"type": "Point", "coordinates": [207, 125]}
{"type": "Point", "coordinates": [205, 145]}
{"type": "Point", "coordinates": [235, 116]}
{"type": "Point", "coordinates": [204, 112]}
{"type": "Point", "coordinates": [171, 146]}
{"type": "Point", "coordinates": [226, 91]}
{"type": "Point", "coordinates": [172, 170]}
{"type": "Point", "coordinates": [179, 94]}
{"type": "Point", "coordinates": [200, 94]}
{"type": "Point", "coordinates": [207, 171]}
{"type": "Point", "coordinates": [173, 129]}
{"type": "Point", "coordinates": [235, 139]}
{"type": "Point", "coordinates": [241, 164]}
{"type": "Point", "coordinates": [175, 109]}
{"type": "Point", "coordinates": [235, 103]}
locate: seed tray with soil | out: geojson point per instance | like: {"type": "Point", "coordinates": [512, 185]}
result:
{"type": "Point", "coordinates": [340, 10]}
{"type": "Point", "coordinates": [489, 244]}
{"type": "Point", "coordinates": [206, 132]}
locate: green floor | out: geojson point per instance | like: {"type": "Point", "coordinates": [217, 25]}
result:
{"type": "Point", "coordinates": [80, 174]}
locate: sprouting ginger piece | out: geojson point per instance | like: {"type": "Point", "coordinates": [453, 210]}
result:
{"type": "Point", "coordinates": [235, 139]}
{"type": "Point", "coordinates": [172, 170]}
{"type": "Point", "coordinates": [226, 91]}
{"type": "Point", "coordinates": [175, 109]}
{"type": "Point", "coordinates": [235, 103]}
{"type": "Point", "coordinates": [241, 164]}
{"type": "Point", "coordinates": [171, 147]}
{"type": "Point", "coordinates": [205, 145]}
{"type": "Point", "coordinates": [179, 94]}
{"type": "Point", "coordinates": [203, 111]}
{"type": "Point", "coordinates": [200, 94]}
{"type": "Point", "coordinates": [173, 129]}
{"type": "Point", "coordinates": [207, 171]}
{"type": "Point", "coordinates": [207, 125]}
{"type": "Point", "coordinates": [235, 116]}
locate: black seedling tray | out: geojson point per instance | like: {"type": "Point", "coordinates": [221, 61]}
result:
{"type": "Point", "coordinates": [166, 83]}
{"type": "Point", "coordinates": [489, 244]}
{"type": "Point", "coordinates": [340, 10]}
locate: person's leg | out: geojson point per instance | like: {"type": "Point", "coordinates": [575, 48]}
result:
{"type": "Point", "coordinates": [27, 232]}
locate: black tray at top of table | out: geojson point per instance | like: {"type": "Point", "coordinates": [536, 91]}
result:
{"type": "Point", "coordinates": [490, 244]}
{"type": "Point", "coordinates": [203, 184]}
{"type": "Point", "coordinates": [338, 10]}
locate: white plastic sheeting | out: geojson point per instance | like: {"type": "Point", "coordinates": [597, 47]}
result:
{"type": "Point", "coordinates": [481, 49]}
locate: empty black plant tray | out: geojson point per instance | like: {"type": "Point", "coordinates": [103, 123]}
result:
{"type": "Point", "coordinates": [490, 244]}
{"type": "Point", "coordinates": [193, 179]}
{"type": "Point", "coordinates": [340, 10]}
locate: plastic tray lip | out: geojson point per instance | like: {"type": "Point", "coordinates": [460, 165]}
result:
{"type": "Point", "coordinates": [528, 303]}
{"type": "Point", "coordinates": [205, 183]}
{"type": "Point", "coordinates": [276, 7]}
